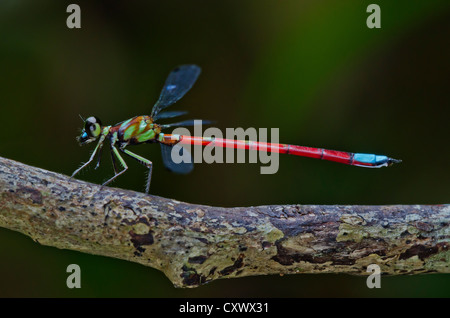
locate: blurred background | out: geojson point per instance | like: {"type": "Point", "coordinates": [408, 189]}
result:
{"type": "Point", "coordinates": [312, 69]}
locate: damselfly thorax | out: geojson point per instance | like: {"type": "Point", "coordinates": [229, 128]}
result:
{"type": "Point", "coordinates": [143, 129]}
{"type": "Point", "coordinates": [134, 131]}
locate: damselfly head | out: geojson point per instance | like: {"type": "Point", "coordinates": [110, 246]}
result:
{"type": "Point", "coordinates": [91, 131]}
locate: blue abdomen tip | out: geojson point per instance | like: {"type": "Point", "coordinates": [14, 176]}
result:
{"type": "Point", "coordinates": [369, 158]}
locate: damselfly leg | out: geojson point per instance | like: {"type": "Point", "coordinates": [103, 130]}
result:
{"type": "Point", "coordinates": [99, 156]}
{"type": "Point", "coordinates": [122, 162]}
{"type": "Point", "coordinates": [113, 159]}
{"type": "Point", "coordinates": [147, 163]}
{"type": "Point", "coordinates": [97, 149]}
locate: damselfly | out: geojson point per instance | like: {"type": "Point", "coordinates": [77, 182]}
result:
{"type": "Point", "coordinates": [144, 129]}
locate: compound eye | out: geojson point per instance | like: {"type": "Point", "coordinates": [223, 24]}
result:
{"type": "Point", "coordinates": [93, 127]}
{"type": "Point", "coordinates": [95, 130]}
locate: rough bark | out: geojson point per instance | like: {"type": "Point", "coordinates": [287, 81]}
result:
{"type": "Point", "coordinates": [194, 244]}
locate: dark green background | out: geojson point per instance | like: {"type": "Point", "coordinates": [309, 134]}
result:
{"type": "Point", "coordinates": [310, 68]}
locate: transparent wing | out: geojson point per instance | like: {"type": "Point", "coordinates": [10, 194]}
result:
{"type": "Point", "coordinates": [181, 167]}
{"type": "Point", "coordinates": [190, 122]}
{"type": "Point", "coordinates": [165, 115]}
{"type": "Point", "coordinates": [177, 84]}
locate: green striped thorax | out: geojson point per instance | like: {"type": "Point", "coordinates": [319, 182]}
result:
{"type": "Point", "coordinates": [136, 130]}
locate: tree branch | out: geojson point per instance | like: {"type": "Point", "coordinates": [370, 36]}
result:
{"type": "Point", "coordinates": [194, 244]}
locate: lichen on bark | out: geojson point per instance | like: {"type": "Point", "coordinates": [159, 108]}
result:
{"type": "Point", "coordinates": [195, 244]}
